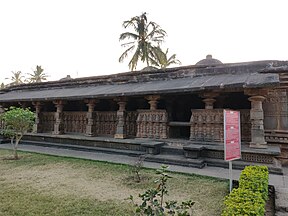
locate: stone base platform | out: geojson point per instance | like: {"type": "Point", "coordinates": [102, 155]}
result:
{"type": "Point", "coordinates": [190, 154]}
{"type": "Point", "coordinates": [143, 146]}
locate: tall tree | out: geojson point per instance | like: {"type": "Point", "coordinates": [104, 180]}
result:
{"type": "Point", "coordinates": [143, 40]}
{"type": "Point", "coordinates": [38, 75]}
{"type": "Point", "coordinates": [162, 60]}
{"type": "Point", "coordinates": [17, 78]}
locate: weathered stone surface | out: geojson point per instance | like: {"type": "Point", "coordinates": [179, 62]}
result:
{"type": "Point", "coordinates": [281, 199]}
{"type": "Point", "coordinates": [152, 124]}
{"type": "Point", "coordinates": [193, 151]}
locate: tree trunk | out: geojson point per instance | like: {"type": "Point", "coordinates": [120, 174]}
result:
{"type": "Point", "coordinates": [15, 154]}
{"type": "Point", "coordinates": [17, 139]}
{"type": "Point", "coordinates": [14, 149]}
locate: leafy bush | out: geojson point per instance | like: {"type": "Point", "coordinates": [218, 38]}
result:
{"type": "Point", "coordinates": [244, 202]}
{"type": "Point", "coordinates": [256, 179]}
{"type": "Point", "coordinates": [250, 197]}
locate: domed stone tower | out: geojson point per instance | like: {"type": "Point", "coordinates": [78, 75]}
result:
{"type": "Point", "coordinates": [209, 61]}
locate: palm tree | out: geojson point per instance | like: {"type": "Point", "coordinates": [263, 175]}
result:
{"type": "Point", "coordinates": [2, 86]}
{"type": "Point", "coordinates": [162, 60]}
{"type": "Point", "coordinates": [16, 78]}
{"type": "Point", "coordinates": [144, 39]}
{"type": "Point", "coordinates": [38, 75]}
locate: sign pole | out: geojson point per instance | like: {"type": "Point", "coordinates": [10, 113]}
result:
{"type": "Point", "coordinates": [230, 176]}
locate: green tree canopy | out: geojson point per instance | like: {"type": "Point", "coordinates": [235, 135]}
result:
{"type": "Point", "coordinates": [17, 121]}
{"type": "Point", "coordinates": [38, 75]}
{"type": "Point", "coordinates": [143, 40]}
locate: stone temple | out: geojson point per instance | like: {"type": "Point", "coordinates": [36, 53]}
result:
{"type": "Point", "coordinates": [174, 115]}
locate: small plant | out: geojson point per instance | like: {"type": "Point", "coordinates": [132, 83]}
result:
{"type": "Point", "coordinates": [17, 122]}
{"type": "Point", "coordinates": [153, 199]}
{"type": "Point", "coordinates": [137, 167]}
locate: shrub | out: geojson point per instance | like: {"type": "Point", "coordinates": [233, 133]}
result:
{"type": "Point", "coordinates": [256, 179]}
{"type": "Point", "coordinates": [250, 197]}
{"type": "Point", "coordinates": [244, 202]}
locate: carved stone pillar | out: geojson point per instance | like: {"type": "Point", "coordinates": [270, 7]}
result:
{"type": "Point", "coordinates": [203, 126]}
{"type": "Point", "coordinates": [209, 99]}
{"type": "Point", "coordinates": [257, 126]}
{"type": "Point", "coordinates": [121, 116]}
{"type": "Point", "coordinates": [153, 101]}
{"type": "Point", "coordinates": [59, 125]}
{"type": "Point", "coordinates": [37, 125]}
{"type": "Point", "coordinates": [90, 118]}
{"type": "Point", "coordinates": [209, 103]}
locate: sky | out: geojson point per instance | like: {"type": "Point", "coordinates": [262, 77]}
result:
{"type": "Point", "coordinates": [80, 38]}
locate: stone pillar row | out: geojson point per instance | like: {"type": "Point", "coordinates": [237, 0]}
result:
{"type": "Point", "coordinates": [256, 115]}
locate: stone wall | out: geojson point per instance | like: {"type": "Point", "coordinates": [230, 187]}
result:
{"type": "Point", "coordinates": [275, 110]}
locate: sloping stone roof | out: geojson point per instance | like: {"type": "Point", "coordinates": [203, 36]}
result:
{"type": "Point", "coordinates": [193, 78]}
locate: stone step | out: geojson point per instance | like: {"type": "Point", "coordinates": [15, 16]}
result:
{"type": "Point", "coordinates": [171, 150]}
{"type": "Point", "coordinates": [176, 160]}
{"type": "Point", "coordinates": [86, 148]}
{"type": "Point", "coordinates": [160, 158]}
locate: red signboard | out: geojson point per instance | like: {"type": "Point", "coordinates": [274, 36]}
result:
{"type": "Point", "coordinates": [232, 135]}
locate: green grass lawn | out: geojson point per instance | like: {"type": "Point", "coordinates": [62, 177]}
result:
{"type": "Point", "coordinates": [46, 185]}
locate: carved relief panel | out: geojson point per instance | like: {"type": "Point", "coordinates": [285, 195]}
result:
{"type": "Point", "coordinates": [47, 121]}
{"type": "Point", "coordinates": [75, 122]}
{"type": "Point", "coordinates": [131, 126]}
{"type": "Point", "coordinates": [104, 123]}
{"type": "Point", "coordinates": [208, 125]}
{"type": "Point", "coordinates": [152, 124]}
{"type": "Point", "coordinates": [275, 110]}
